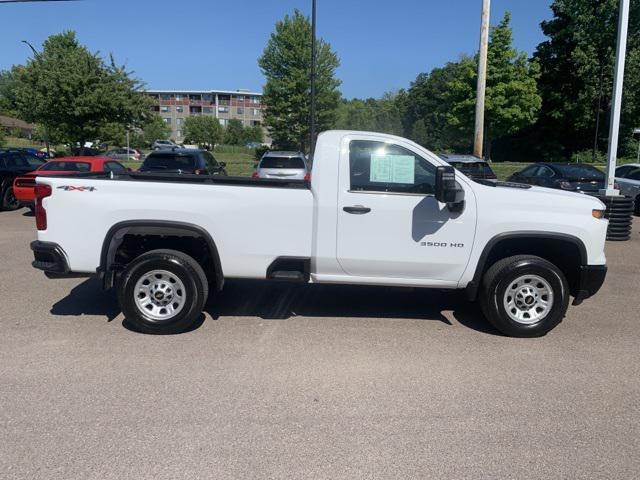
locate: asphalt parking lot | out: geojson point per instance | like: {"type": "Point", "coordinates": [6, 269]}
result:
{"type": "Point", "coordinates": [312, 382]}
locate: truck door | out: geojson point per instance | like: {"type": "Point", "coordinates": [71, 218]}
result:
{"type": "Point", "coordinates": [389, 223]}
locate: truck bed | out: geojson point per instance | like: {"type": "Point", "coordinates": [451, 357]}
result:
{"type": "Point", "coordinates": [252, 221]}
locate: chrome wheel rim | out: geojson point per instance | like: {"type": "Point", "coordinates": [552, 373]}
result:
{"type": "Point", "coordinates": [159, 295]}
{"type": "Point", "coordinates": [528, 299]}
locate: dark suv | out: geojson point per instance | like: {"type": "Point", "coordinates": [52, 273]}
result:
{"type": "Point", "coordinates": [14, 163]}
{"type": "Point", "coordinates": [182, 160]}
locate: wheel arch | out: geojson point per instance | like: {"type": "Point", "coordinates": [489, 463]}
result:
{"type": "Point", "coordinates": [162, 229]}
{"type": "Point", "coordinates": [565, 251]}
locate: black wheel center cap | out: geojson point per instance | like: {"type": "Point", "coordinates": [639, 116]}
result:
{"type": "Point", "coordinates": [159, 295]}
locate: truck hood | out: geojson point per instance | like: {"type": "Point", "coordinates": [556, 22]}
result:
{"type": "Point", "coordinates": [541, 196]}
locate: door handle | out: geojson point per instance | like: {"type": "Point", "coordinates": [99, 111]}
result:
{"type": "Point", "coordinates": [357, 210]}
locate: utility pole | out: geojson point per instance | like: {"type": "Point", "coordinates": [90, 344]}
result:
{"type": "Point", "coordinates": [312, 113]}
{"type": "Point", "coordinates": [482, 79]}
{"type": "Point", "coordinates": [614, 130]}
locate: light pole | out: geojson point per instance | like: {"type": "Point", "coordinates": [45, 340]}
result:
{"type": "Point", "coordinates": [312, 112]}
{"type": "Point", "coordinates": [614, 130]}
{"type": "Point", "coordinates": [482, 79]}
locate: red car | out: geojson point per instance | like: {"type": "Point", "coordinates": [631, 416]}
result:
{"type": "Point", "coordinates": [24, 186]}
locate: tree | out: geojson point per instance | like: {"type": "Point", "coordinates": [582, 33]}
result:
{"type": "Point", "coordinates": [71, 91]}
{"type": "Point", "coordinates": [155, 128]}
{"type": "Point", "coordinates": [286, 64]}
{"type": "Point", "coordinates": [440, 105]}
{"type": "Point", "coordinates": [203, 130]}
{"type": "Point", "coordinates": [234, 133]}
{"type": "Point", "coordinates": [576, 79]}
{"type": "Point", "coordinates": [254, 134]}
{"type": "Point", "coordinates": [374, 115]}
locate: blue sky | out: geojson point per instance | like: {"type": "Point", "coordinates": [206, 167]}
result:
{"type": "Point", "coordinates": [214, 44]}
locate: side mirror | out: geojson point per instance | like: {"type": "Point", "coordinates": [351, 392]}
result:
{"type": "Point", "coordinates": [446, 188]}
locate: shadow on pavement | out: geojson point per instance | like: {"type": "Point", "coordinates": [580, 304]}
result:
{"type": "Point", "coordinates": [280, 301]}
{"type": "Point", "coordinates": [88, 298]}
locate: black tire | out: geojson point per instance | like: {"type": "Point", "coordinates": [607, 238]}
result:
{"type": "Point", "coordinates": [637, 207]}
{"type": "Point", "coordinates": [502, 276]}
{"type": "Point", "coordinates": [182, 268]}
{"type": "Point", "coordinates": [9, 202]}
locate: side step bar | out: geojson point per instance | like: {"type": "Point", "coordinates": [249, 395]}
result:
{"type": "Point", "coordinates": [290, 269]}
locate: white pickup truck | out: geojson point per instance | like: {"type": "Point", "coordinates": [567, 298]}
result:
{"type": "Point", "coordinates": [379, 210]}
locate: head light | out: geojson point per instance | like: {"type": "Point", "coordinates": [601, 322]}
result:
{"type": "Point", "coordinates": [597, 214]}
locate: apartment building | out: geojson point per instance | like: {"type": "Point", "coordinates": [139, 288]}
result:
{"type": "Point", "coordinates": [174, 106]}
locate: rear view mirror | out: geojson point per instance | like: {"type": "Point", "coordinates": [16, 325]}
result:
{"type": "Point", "coordinates": [446, 188]}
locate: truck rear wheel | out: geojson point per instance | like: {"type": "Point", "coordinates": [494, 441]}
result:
{"type": "Point", "coordinates": [524, 296]}
{"type": "Point", "coordinates": [162, 292]}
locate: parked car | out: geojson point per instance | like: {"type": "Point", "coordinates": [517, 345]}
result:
{"type": "Point", "coordinates": [14, 163]}
{"type": "Point", "coordinates": [124, 154]}
{"type": "Point", "coordinates": [379, 210]}
{"type": "Point", "coordinates": [576, 177]}
{"type": "Point", "coordinates": [42, 153]}
{"type": "Point", "coordinates": [472, 166]}
{"type": "Point", "coordinates": [283, 165]}
{"type": "Point", "coordinates": [253, 145]}
{"type": "Point", "coordinates": [183, 160]}
{"type": "Point", "coordinates": [628, 180]}
{"type": "Point", "coordinates": [24, 186]}
{"type": "Point", "coordinates": [164, 144]}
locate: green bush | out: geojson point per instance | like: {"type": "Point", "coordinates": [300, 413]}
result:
{"type": "Point", "coordinates": [260, 151]}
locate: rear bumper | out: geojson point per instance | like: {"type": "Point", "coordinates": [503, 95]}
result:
{"type": "Point", "coordinates": [51, 259]}
{"type": "Point", "coordinates": [590, 280]}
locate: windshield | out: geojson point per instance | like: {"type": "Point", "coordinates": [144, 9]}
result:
{"type": "Point", "coordinates": [282, 162]}
{"type": "Point", "coordinates": [66, 167]}
{"type": "Point", "coordinates": [169, 162]}
{"type": "Point", "coordinates": [580, 172]}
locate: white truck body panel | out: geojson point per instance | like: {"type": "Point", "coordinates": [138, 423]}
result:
{"type": "Point", "coordinates": [407, 239]}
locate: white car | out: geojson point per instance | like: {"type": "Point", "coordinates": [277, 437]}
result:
{"type": "Point", "coordinates": [379, 210]}
{"type": "Point", "coordinates": [164, 144]}
{"type": "Point", "coordinates": [628, 180]}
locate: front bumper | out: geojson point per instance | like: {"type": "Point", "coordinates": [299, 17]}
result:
{"type": "Point", "coordinates": [590, 280]}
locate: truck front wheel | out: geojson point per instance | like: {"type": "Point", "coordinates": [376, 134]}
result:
{"type": "Point", "coordinates": [162, 292]}
{"type": "Point", "coordinates": [524, 296]}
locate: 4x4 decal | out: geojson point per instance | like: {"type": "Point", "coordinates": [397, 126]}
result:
{"type": "Point", "coordinates": [71, 188]}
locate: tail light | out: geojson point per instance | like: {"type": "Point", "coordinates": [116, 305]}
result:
{"type": "Point", "coordinates": [254, 175]}
{"type": "Point", "coordinates": [307, 177]}
{"type": "Point", "coordinates": [42, 192]}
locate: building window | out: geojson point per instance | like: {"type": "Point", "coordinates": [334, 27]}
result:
{"type": "Point", "coordinates": [179, 121]}
{"type": "Point", "coordinates": [165, 109]}
{"type": "Point", "coordinates": [223, 121]}
{"type": "Point", "coordinates": [207, 97]}
{"type": "Point", "coordinates": [155, 108]}
{"type": "Point", "coordinates": [166, 96]}
{"type": "Point", "coordinates": [240, 98]}
{"type": "Point", "coordinates": [179, 109]}
{"type": "Point", "coordinates": [255, 99]}
{"type": "Point", "coordinates": [195, 98]}
{"type": "Point", "coordinates": [255, 112]}
{"type": "Point", "coordinates": [179, 133]}
{"type": "Point", "coordinates": [240, 111]}
{"type": "Point", "coordinates": [195, 110]}
{"type": "Point", "coordinates": [179, 96]}
{"type": "Point", "coordinates": [224, 99]}
{"type": "Point", "coordinates": [256, 123]}
{"type": "Point", "coordinates": [167, 120]}
{"type": "Point", "coordinates": [207, 109]}
{"type": "Point", "coordinates": [223, 109]}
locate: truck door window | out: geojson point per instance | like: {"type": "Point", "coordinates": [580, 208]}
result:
{"type": "Point", "coordinates": [385, 167]}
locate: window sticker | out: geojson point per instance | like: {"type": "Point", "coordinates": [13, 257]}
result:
{"type": "Point", "coordinates": [392, 168]}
